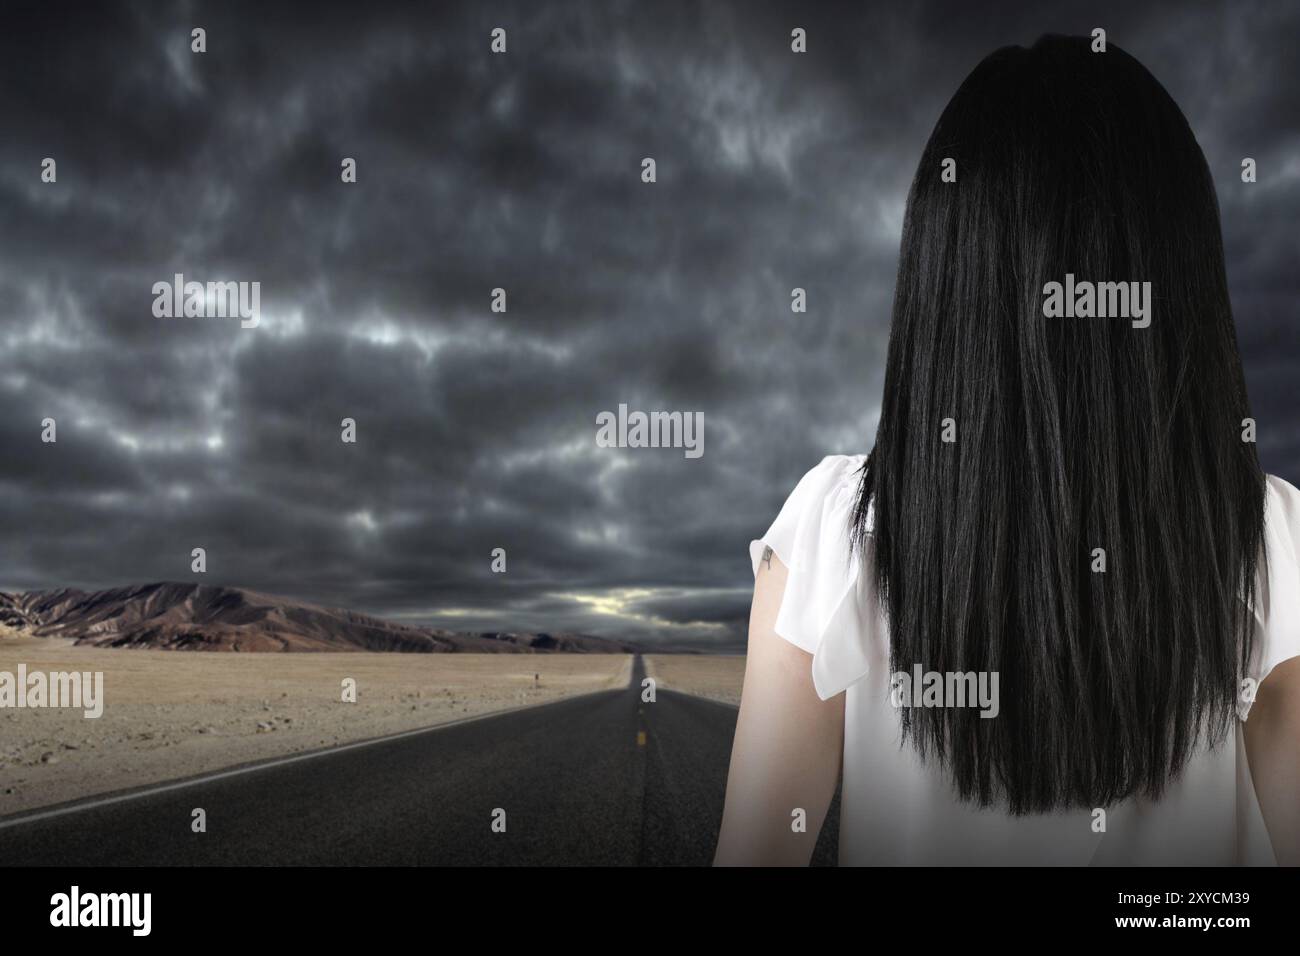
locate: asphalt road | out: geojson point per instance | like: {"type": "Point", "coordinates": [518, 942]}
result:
{"type": "Point", "coordinates": [602, 779]}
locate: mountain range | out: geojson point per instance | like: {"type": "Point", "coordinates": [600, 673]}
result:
{"type": "Point", "coordinates": [194, 617]}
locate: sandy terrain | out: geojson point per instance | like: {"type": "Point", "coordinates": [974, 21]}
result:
{"type": "Point", "coordinates": [716, 677]}
{"type": "Point", "coordinates": [171, 714]}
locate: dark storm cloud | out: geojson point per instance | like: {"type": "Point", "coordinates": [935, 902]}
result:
{"type": "Point", "coordinates": [476, 171]}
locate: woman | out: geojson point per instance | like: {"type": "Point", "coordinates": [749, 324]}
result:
{"type": "Point", "coordinates": [1031, 625]}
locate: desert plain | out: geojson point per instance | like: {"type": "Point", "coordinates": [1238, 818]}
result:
{"type": "Point", "coordinates": [170, 714]}
{"type": "Point", "coordinates": [174, 714]}
{"type": "Point", "coordinates": [715, 676]}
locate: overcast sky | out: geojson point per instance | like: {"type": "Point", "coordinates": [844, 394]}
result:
{"type": "Point", "coordinates": [522, 171]}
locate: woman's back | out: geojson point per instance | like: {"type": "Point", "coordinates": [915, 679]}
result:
{"type": "Point", "coordinates": [896, 809]}
{"type": "Point", "coordinates": [1063, 517]}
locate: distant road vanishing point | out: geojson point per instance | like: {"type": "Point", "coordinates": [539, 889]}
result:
{"type": "Point", "coordinates": [602, 780]}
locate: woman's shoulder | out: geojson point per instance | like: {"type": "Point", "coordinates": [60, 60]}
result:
{"type": "Point", "coordinates": [817, 513]}
{"type": "Point", "coordinates": [832, 475]}
{"type": "Point", "coordinates": [1283, 498]}
{"type": "Point", "coordinates": [1277, 584]}
{"type": "Point", "coordinates": [1281, 522]}
{"type": "Point", "coordinates": [811, 536]}
{"type": "Point", "coordinates": [826, 495]}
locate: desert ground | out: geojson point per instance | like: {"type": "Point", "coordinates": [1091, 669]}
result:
{"type": "Point", "coordinates": [170, 714]}
{"type": "Point", "coordinates": [714, 676]}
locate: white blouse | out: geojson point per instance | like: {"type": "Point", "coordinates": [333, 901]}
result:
{"type": "Point", "coordinates": [894, 810]}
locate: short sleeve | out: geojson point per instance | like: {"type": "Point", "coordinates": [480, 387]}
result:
{"type": "Point", "coordinates": [1277, 597]}
{"type": "Point", "coordinates": [829, 608]}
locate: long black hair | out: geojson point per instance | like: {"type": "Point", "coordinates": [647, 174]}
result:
{"type": "Point", "coordinates": [1071, 435]}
